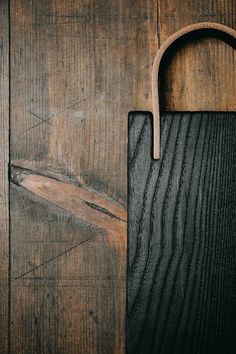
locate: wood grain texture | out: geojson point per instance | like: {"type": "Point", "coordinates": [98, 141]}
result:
{"type": "Point", "coordinates": [77, 69]}
{"type": "Point", "coordinates": [84, 66]}
{"type": "Point", "coordinates": [181, 238]}
{"type": "Point", "coordinates": [4, 159]}
{"type": "Point", "coordinates": [66, 100]}
{"type": "Point", "coordinates": [64, 298]}
{"type": "Point", "coordinates": [89, 205]}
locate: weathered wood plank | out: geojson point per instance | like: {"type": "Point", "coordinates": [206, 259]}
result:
{"type": "Point", "coordinates": [59, 304]}
{"type": "Point", "coordinates": [78, 68]}
{"type": "Point", "coordinates": [181, 239]}
{"type": "Point", "coordinates": [4, 158]}
{"type": "Point", "coordinates": [66, 124]}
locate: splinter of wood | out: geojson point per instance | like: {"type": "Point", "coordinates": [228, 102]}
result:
{"type": "Point", "coordinates": [220, 31]}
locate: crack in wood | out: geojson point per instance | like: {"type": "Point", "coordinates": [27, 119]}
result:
{"type": "Point", "coordinates": [103, 210]}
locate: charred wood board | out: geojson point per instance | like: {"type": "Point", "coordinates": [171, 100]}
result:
{"type": "Point", "coordinates": [182, 235]}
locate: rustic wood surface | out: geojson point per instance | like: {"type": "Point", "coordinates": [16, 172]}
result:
{"type": "Point", "coordinates": [65, 299]}
{"type": "Point", "coordinates": [181, 239]}
{"type": "Point", "coordinates": [77, 69]}
{"type": "Point", "coordinates": [4, 159]}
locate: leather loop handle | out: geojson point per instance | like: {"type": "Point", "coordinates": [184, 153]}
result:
{"type": "Point", "coordinates": [214, 30]}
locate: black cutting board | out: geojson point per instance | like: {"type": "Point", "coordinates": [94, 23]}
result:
{"type": "Point", "coordinates": [182, 235]}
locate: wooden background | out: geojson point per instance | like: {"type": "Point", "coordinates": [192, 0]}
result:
{"type": "Point", "coordinates": [70, 73]}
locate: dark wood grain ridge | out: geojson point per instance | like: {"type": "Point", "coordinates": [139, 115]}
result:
{"type": "Point", "coordinates": [181, 295]}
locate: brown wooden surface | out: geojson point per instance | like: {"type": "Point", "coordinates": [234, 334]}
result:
{"type": "Point", "coordinates": [68, 267]}
{"type": "Point", "coordinates": [77, 69]}
{"type": "Point", "coordinates": [4, 152]}
{"type": "Point", "coordinates": [79, 65]}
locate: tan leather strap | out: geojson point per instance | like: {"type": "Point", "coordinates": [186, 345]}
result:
{"type": "Point", "coordinates": [207, 28]}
